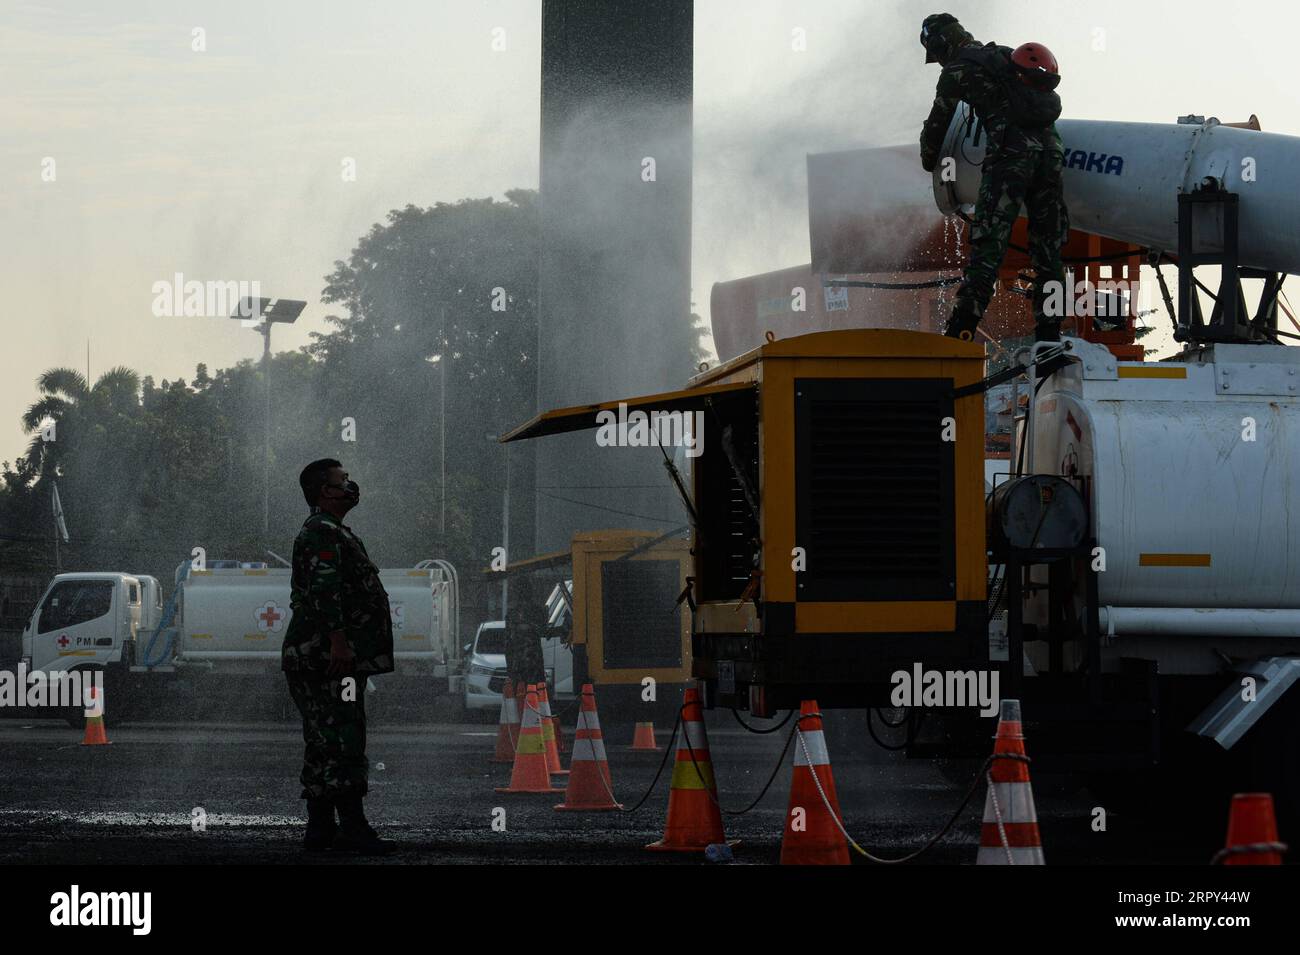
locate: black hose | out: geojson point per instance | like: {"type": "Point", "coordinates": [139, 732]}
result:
{"type": "Point", "coordinates": [854, 283]}
{"type": "Point", "coordinates": [754, 729]}
{"type": "Point", "coordinates": [766, 786]}
{"type": "Point", "coordinates": [668, 750]}
{"type": "Point", "coordinates": [890, 747]}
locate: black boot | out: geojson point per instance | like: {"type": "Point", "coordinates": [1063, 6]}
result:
{"type": "Point", "coordinates": [355, 833]}
{"type": "Point", "coordinates": [1047, 327]}
{"type": "Point", "coordinates": [321, 827]}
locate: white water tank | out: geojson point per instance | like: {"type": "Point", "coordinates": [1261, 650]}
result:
{"type": "Point", "coordinates": [1192, 469]}
{"type": "Point", "coordinates": [1122, 180]}
{"type": "Point", "coordinates": [237, 617]}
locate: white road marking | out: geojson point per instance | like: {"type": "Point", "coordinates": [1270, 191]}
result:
{"type": "Point", "coordinates": [118, 818]}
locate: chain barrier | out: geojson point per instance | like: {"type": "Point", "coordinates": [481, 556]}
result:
{"type": "Point", "coordinates": [1251, 848]}
{"type": "Point", "coordinates": [981, 775]}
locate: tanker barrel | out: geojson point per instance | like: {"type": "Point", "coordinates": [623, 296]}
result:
{"type": "Point", "coordinates": [1122, 181]}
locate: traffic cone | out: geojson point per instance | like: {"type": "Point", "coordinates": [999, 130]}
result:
{"type": "Point", "coordinates": [95, 735]}
{"type": "Point", "coordinates": [694, 820]}
{"type": "Point", "coordinates": [1252, 832]}
{"type": "Point", "coordinates": [548, 734]}
{"type": "Point", "coordinates": [644, 737]}
{"type": "Point", "coordinates": [507, 726]}
{"type": "Point", "coordinates": [1014, 800]}
{"type": "Point", "coordinates": [529, 774]}
{"type": "Point", "coordinates": [590, 786]}
{"type": "Point", "coordinates": [811, 835]}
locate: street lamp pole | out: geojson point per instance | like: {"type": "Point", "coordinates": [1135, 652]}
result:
{"type": "Point", "coordinates": [505, 535]}
{"type": "Point", "coordinates": [266, 462]}
{"type": "Point", "coordinates": [442, 429]}
{"type": "Point", "coordinates": [270, 311]}
{"type": "Point", "coordinates": [505, 528]}
{"type": "Point", "coordinates": [442, 444]}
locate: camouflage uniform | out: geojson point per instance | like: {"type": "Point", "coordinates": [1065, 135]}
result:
{"type": "Point", "coordinates": [335, 587]}
{"type": "Point", "coordinates": [524, 661]}
{"type": "Point", "coordinates": [1022, 166]}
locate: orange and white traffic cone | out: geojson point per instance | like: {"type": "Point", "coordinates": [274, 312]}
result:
{"type": "Point", "coordinates": [1009, 835]}
{"type": "Point", "coordinates": [529, 774]}
{"type": "Point", "coordinates": [95, 735]}
{"type": "Point", "coordinates": [811, 835]}
{"type": "Point", "coordinates": [644, 737]}
{"type": "Point", "coordinates": [548, 733]}
{"type": "Point", "coordinates": [507, 724]}
{"type": "Point", "coordinates": [694, 820]}
{"type": "Point", "coordinates": [590, 785]}
{"type": "Point", "coordinates": [1252, 832]}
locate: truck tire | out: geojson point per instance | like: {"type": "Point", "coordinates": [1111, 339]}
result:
{"type": "Point", "coordinates": [115, 688]}
{"type": "Point", "coordinates": [1187, 792]}
{"type": "Point", "coordinates": [1273, 755]}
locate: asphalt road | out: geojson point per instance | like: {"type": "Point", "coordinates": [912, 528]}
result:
{"type": "Point", "coordinates": [432, 790]}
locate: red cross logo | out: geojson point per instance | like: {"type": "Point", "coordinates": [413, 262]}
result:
{"type": "Point", "coordinates": [269, 617]}
{"type": "Point", "coordinates": [63, 641]}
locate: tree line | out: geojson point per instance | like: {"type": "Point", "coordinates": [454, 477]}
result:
{"type": "Point", "coordinates": [147, 470]}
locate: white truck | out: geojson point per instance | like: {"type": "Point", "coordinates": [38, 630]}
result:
{"type": "Point", "coordinates": [224, 621]}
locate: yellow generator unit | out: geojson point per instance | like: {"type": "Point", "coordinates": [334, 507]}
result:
{"type": "Point", "coordinates": [628, 621]}
{"type": "Point", "coordinates": [628, 625]}
{"type": "Point", "coordinates": [836, 495]}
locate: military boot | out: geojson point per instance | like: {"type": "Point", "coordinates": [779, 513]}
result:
{"type": "Point", "coordinates": [1047, 327]}
{"type": "Point", "coordinates": [355, 833]}
{"type": "Point", "coordinates": [321, 827]}
{"type": "Point", "coordinates": [965, 319]}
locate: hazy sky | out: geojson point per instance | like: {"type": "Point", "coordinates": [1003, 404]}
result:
{"type": "Point", "coordinates": [226, 164]}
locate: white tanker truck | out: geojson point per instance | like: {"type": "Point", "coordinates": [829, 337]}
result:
{"type": "Point", "coordinates": [1167, 629]}
{"type": "Point", "coordinates": [223, 625]}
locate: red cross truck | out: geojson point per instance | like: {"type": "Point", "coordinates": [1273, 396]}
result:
{"type": "Point", "coordinates": [222, 626]}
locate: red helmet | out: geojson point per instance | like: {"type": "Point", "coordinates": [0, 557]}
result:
{"type": "Point", "coordinates": [1036, 66]}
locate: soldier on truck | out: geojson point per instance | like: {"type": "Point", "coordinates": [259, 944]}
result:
{"type": "Point", "coordinates": [1013, 95]}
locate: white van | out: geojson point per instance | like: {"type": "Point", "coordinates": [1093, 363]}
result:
{"type": "Point", "coordinates": [485, 675]}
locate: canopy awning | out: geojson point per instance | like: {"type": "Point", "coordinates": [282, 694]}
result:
{"type": "Point", "coordinates": [583, 417]}
{"type": "Point", "coordinates": [559, 558]}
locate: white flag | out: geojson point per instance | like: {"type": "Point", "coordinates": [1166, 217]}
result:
{"type": "Point", "coordinates": [57, 505]}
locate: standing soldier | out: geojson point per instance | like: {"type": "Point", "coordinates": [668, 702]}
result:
{"type": "Point", "coordinates": [341, 632]}
{"type": "Point", "coordinates": [524, 626]}
{"type": "Point", "coordinates": [1013, 96]}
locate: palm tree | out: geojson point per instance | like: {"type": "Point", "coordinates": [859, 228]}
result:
{"type": "Point", "coordinates": [65, 397]}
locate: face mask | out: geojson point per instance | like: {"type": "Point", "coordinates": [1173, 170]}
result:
{"type": "Point", "coordinates": [351, 492]}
